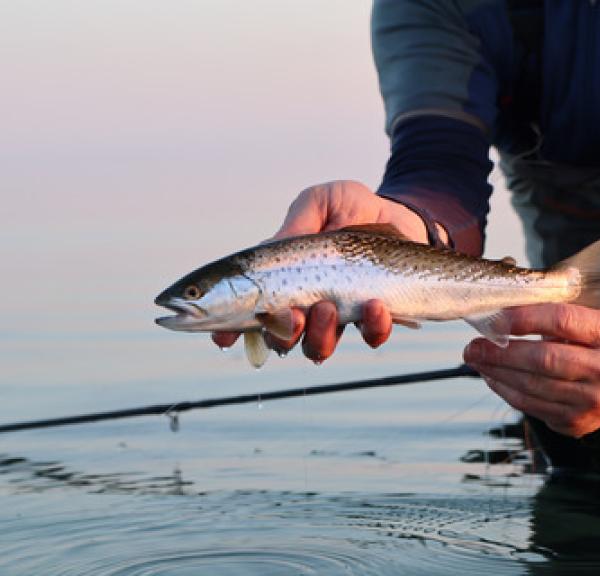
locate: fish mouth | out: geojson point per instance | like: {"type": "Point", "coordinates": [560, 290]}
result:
{"type": "Point", "coordinates": [188, 316]}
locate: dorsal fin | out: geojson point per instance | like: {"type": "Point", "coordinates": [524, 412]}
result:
{"type": "Point", "coordinates": [381, 229]}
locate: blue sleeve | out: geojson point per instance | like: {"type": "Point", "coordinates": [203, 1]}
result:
{"type": "Point", "coordinates": [439, 168]}
{"type": "Point", "coordinates": [431, 60]}
{"type": "Point", "coordinates": [439, 64]}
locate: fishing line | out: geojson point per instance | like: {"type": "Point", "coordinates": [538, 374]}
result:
{"type": "Point", "coordinates": [517, 467]}
{"type": "Point", "coordinates": [488, 477]}
{"type": "Point", "coordinates": [464, 410]}
{"type": "Point", "coordinates": [305, 448]}
{"type": "Point", "coordinates": [174, 408]}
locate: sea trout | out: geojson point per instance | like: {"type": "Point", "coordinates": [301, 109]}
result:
{"type": "Point", "coordinates": [253, 290]}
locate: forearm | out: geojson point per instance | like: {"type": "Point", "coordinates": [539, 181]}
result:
{"type": "Point", "coordinates": [439, 168]}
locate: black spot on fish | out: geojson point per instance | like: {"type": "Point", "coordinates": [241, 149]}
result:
{"type": "Point", "coordinates": [284, 282]}
{"type": "Point", "coordinates": [317, 278]}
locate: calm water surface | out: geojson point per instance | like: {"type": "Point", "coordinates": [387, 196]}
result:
{"type": "Point", "coordinates": [389, 481]}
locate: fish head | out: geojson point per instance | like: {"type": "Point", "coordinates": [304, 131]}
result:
{"type": "Point", "coordinates": [215, 297]}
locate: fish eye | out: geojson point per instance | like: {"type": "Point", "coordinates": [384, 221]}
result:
{"type": "Point", "coordinates": [192, 293]}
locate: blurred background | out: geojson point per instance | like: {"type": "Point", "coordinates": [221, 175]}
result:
{"type": "Point", "coordinates": [140, 140]}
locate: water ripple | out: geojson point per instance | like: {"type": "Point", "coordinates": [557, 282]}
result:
{"type": "Point", "coordinates": [128, 524]}
{"type": "Point", "coordinates": [267, 533]}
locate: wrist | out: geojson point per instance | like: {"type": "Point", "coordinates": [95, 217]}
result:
{"type": "Point", "coordinates": [416, 226]}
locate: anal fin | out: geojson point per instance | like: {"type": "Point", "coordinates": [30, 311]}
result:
{"type": "Point", "coordinates": [495, 326]}
{"type": "Point", "coordinates": [257, 350]}
{"type": "Point", "coordinates": [409, 323]}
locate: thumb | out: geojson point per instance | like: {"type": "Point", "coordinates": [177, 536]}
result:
{"type": "Point", "coordinates": [307, 215]}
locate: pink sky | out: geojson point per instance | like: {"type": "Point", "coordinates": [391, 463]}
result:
{"type": "Point", "coordinates": [140, 139]}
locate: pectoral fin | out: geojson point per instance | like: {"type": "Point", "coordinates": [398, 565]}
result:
{"type": "Point", "coordinates": [495, 326]}
{"type": "Point", "coordinates": [257, 350]}
{"type": "Point", "coordinates": [280, 323]}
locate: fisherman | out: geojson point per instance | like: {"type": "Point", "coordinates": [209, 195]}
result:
{"type": "Point", "coordinates": [456, 78]}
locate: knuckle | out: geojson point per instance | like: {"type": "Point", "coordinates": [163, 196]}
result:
{"type": "Point", "coordinates": [565, 422]}
{"type": "Point", "coordinates": [306, 196]}
{"type": "Point", "coordinates": [594, 367]}
{"type": "Point", "coordinates": [547, 359]}
{"type": "Point", "coordinates": [563, 319]}
{"type": "Point", "coordinates": [574, 430]}
{"type": "Point", "coordinates": [519, 402]}
{"type": "Point", "coordinates": [562, 428]}
{"type": "Point", "coordinates": [572, 422]}
{"type": "Point", "coordinates": [569, 419]}
{"type": "Point", "coordinates": [487, 354]}
{"type": "Point", "coordinates": [595, 333]}
{"type": "Point", "coordinates": [589, 394]}
{"type": "Point", "coordinates": [534, 384]}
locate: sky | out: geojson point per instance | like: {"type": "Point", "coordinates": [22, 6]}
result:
{"type": "Point", "coordinates": [141, 139]}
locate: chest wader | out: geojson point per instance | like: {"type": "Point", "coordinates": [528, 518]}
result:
{"type": "Point", "coordinates": [559, 207]}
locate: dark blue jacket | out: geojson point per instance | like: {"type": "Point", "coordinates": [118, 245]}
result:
{"type": "Point", "coordinates": [460, 75]}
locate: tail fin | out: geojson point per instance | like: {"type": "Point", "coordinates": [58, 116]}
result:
{"type": "Point", "coordinates": [587, 263]}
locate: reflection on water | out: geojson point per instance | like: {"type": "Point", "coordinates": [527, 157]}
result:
{"type": "Point", "coordinates": [27, 476]}
{"type": "Point", "coordinates": [131, 523]}
{"type": "Point", "coordinates": [81, 532]}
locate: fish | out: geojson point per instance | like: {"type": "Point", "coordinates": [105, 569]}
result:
{"type": "Point", "coordinates": [253, 291]}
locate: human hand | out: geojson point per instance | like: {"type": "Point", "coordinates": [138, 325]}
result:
{"type": "Point", "coordinates": [331, 206]}
{"type": "Point", "coordinates": [557, 379]}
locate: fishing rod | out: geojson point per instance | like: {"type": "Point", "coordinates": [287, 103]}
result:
{"type": "Point", "coordinates": [173, 409]}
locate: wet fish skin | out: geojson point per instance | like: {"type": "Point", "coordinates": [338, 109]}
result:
{"type": "Point", "coordinates": [253, 288]}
